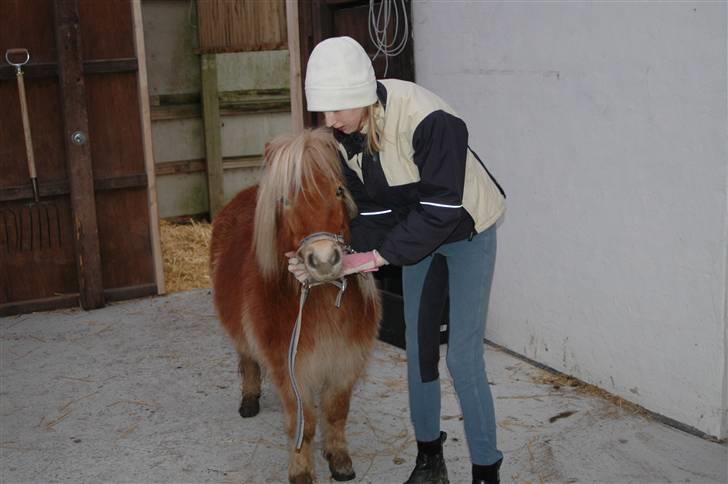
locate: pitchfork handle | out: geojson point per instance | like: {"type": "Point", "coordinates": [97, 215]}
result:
{"type": "Point", "coordinates": [10, 52]}
{"type": "Point", "coordinates": [24, 114]}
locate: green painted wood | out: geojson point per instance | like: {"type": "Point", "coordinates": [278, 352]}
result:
{"type": "Point", "coordinates": [213, 137]}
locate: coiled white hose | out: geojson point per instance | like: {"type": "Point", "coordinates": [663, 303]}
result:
{"type": "Point", "coordinates": [379, 23]}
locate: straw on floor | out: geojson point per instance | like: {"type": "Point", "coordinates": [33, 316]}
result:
{"type": "Point", "coordinates": [185, 251]}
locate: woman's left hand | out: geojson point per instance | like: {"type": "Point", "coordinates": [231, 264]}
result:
{"type": "Point", "coordinates": [297, 267]}
{"type": "Point", "coordinates": [362, 262]}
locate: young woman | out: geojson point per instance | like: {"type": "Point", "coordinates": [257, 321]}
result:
{"type": "Point", "coordinates": [422, 193]}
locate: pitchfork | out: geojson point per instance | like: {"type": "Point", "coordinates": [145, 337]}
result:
{"type": "Point", "coordinates": [41, 219]}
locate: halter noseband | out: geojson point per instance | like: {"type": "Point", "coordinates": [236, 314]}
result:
{"type": "Point", "coordinates": [338, 240]}
{"type": "Point", "coordinates": [316, 236]}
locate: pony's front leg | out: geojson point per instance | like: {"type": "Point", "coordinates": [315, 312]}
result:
{"type": "Point", "coordinates": [300, 463]}
{"type": "Point", "coordinates": [250, 386]}
{"type": "Point", "coordinates": [335, 410]}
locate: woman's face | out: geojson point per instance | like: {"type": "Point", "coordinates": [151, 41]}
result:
{"type": "Point", "coordinates": [347, 120]}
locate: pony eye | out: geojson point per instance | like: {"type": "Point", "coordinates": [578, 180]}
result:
{"type": "Point", "coordinates": [339, 192]}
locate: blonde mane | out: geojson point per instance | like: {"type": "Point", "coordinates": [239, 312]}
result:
{"type": "Point", "coordinates": [292, 161]}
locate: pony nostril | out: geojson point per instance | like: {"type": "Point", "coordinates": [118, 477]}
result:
{"type": "Point", "coordinates": [335, 258]}
{"type": "Point", "coordinates": [311, 260]}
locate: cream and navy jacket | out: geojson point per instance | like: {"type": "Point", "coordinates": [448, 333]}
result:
{"type": "Point", "coordinates": [425, 187]}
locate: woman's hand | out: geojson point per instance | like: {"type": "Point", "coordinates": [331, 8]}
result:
{"type": "Point", "coordinates": [297, 267]}
{"type": "Point", "coordinates": [352, 264]}
{"type": "Point", "coordinates": [362, 262]}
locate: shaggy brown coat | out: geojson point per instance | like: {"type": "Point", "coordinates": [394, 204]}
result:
{"type": "Point", "coordinates": [301, 192]}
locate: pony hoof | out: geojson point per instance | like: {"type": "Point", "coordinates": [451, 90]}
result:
{"type": "Point", "coordinates": [301, 479]}
{"type": "Point", "coordinates": [342, 477]}
{"type": "Point", "coordinates": [341, 467]}
{"type": "Point", "coordinates": [249, 407]}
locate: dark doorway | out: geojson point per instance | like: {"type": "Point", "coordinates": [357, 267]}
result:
{"type": "Point", "coordinates": [319, 20]}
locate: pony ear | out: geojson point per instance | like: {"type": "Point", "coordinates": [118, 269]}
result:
{"type": "Point", "coordinates": [267, 152]}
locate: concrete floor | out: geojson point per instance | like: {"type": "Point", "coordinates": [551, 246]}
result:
{"type": "Point", "coordinates": [147, 391]}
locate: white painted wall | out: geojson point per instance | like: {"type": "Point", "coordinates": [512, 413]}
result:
{"type": "Point", "coordinates": [606, 124]}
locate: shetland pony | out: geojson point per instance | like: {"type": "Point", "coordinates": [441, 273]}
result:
{"type": "Point", "coordinates": [301, 192]}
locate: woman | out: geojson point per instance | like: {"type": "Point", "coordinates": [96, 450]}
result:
{"type": "Point", "coordinates": [421, 193]}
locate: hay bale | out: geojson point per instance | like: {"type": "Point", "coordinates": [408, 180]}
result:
{"type": "Point", "coordinates": [185, 252]}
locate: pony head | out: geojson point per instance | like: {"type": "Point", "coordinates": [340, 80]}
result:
{"type": "Point", "coordinates": [302, 193]}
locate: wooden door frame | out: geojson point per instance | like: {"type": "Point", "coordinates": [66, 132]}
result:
{"type": "Point", "coordinates": [78, 155]}
{"type": "Point", "coordinates": [316, 20]}
{"type": "Point", "coordinates": [146, 122]}
{"type": "Point", "coordinates": [294, 56]}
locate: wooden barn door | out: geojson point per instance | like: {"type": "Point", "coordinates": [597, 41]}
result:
{"type": "Point", "coordinates": [321, 19]}
{"type": "Point", "coordinates": [89, 238]}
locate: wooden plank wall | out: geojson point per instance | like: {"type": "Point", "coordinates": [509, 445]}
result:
{"type": "Point", "coordinates": [28, 271]}
{"type": "Point", "coordinates": [241, 26]}
{"type": "Point", "coordinates": [116, 145]}
{"type": "Point", "coordinates": [100, 247]}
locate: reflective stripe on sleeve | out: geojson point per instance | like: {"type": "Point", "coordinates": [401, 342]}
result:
{"type": "Point", "coordinates": [440, 205]}
{"type": "Point", "coordinates": [381, 212]}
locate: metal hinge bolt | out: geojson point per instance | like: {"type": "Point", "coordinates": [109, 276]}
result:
{"type": "Point", "coordinates": [79, 138]}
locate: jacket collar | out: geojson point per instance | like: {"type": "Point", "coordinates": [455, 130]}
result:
{"type": "Point", "coordinates": [354, 143]}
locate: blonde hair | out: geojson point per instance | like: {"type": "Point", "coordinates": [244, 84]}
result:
{"type": "Point", "coordinates": [291, 161]}
{"type": "Point", "coordinates": [373, 133]}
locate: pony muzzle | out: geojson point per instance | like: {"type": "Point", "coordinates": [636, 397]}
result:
{"type": "Point", "coordinates": [323, 259]}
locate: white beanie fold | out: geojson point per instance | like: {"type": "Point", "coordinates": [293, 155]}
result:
{"type": "Point", "coordinates": [339, 76]}
{"type": "Point", "coordinates": [328, 99]}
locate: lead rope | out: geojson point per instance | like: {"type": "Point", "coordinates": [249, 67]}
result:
{"type": "Point", "coordinates": [293, 349]}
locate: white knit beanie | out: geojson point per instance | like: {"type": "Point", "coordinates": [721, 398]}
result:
{"type": "Point", "coordinates": [339, 76]}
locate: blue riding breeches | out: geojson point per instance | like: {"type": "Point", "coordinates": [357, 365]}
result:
{"type": "Point", "coordinates": [470, 265]}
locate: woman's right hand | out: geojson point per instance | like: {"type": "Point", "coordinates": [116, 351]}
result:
{"type": "Point", "coordinates": [362, 262]}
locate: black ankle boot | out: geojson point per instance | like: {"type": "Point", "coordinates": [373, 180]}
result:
{"type": "Point", "coordinates": [430, 466]}
{"type": "Point", "coordinates": [486, 474]}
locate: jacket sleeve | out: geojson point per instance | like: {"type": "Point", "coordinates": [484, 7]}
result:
{"type": "Point", "coordinates": [440, 144]}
